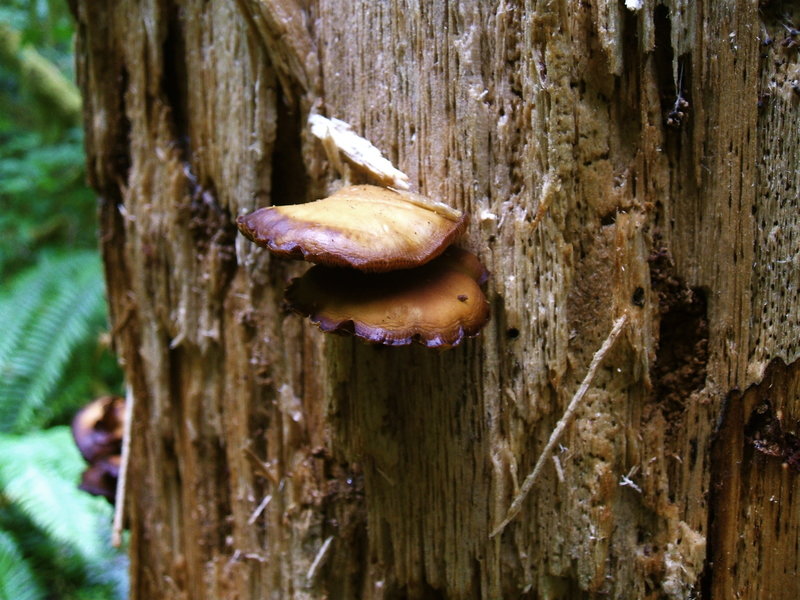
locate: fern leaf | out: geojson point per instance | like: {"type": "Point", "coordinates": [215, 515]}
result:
{"type": "Point", "coordinates": [17, 581]}
{"type": "Point", "coordinates": [49, 311]}
{"type": "Point", "coordinates": [39, 474]}
{"type": "Point", "coordinates": [24, 290]}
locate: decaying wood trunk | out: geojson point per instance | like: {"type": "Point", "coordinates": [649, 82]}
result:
{"type": "Point", "coordinates": [271, 461]}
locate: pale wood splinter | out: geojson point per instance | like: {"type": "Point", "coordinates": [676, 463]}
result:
{"type": "Point", "coordinates": [122, 483]}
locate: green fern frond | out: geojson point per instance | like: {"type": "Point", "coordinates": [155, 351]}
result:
{"type": "Point", "coordinates": [39, 474]}
{"type": "Point", "coordinates": [49, 311]}
{"type": "Point", "coordinates": [92, 371]}
{"type": "Point", "coordinates": [63, 533]}
{"type": "Point", "coordinates": [17, 581]}
{"type": "Point", "coordinates": [12, 319]}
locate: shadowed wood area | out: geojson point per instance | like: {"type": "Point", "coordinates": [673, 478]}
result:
{"type": "Point", "coordinates": [614, 158]}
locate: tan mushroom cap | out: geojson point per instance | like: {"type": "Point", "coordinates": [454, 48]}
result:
{"type": "Point", "coordinates": [97, 427]}
{"type": "Point", "coordinates": [362, 226]}
{"type": "Point", "coordinates": [438, 304]}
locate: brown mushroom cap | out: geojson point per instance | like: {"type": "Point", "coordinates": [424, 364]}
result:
{"type": "Point", "coordinates": [438, 304]}
{"type": "Point", "coordinates": [362, 226]}
{"type": "Point", "coordinates": [97, 427]}
{"type": "Point", "coordinates": [100, 478]}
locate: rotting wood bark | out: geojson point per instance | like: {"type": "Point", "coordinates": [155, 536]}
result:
{"type": "Point", "coordinates": [378, 473]}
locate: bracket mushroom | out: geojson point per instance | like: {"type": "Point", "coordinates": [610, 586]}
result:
{"type": "Point", "coordinates": [384, 273]}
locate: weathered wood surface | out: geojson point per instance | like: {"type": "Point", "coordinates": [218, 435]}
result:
{"type": "Point", "coordinates": [546, 122]}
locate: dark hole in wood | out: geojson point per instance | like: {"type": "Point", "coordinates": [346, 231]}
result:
{"type": "Point", "coordinates": [289, 180]}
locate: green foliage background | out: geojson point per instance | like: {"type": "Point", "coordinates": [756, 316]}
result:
{"type": "Point", "coordinates": [54, 539]}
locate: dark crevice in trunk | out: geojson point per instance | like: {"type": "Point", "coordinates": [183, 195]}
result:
{"type": "Point", "coordinates": [289, 177]}
{"type": "Point", "coordinates": [345, 518]}
{"type": "Point", "coordinates": [674, 83]}
{"type": "Point", "coordinates": [120, 151]}
{"type": "Point", "coordinates": [681, 360]}
{"type": "Point", "coordinates": [174, 82]}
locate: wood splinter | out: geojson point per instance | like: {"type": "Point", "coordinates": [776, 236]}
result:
{"type": "Point", "coordinates": [119, 505]}
{"type": "Point", "coordinates": [562, 424]}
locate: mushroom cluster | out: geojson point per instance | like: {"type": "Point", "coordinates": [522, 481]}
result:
{"type": "Point", "coordinates": [97, 430]}
{"type": "Point", "coordinates": [384, 271]}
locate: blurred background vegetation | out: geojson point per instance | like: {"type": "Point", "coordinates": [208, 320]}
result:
{"type": "Point", "coordinates": [54, 539]}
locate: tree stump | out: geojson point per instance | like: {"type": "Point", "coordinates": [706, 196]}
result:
{"type": "Point", "coordinates": [634, 158]}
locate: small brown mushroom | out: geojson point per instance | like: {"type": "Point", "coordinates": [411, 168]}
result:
{"type": "Point", "coordinates": [362, 226]}
{"type": "Point", "coordinates": [97, 428]}
{"type": "Point", "coordinates": [437, 305]}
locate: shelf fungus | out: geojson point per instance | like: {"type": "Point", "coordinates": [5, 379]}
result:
{"type": "Point", "coordinates": [437, 305]}
{"type": "Point", "coordinates": [364, 227]}
{"type": "Point", "coordinates": [384, 273]}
